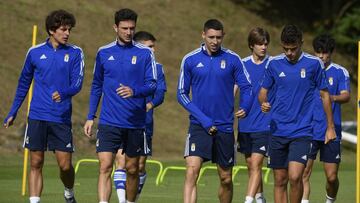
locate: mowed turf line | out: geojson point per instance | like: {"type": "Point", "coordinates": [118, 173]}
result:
{"type": "Point", "coordinates": [169, 191]}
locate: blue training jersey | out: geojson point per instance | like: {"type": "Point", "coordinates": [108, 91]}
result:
{"type": "Point", "coordinates": [292, 111]}
{"type": "Point", "coordinates": [157, 98]}
{"type": "Point", "coordinates": [256, 120]}
{"type": "Point", "coordinates": [61, 70]}
{"type": "Point", "coordinates": [131, 65]}
{"type": "Point", "coordinates": [338, 81]}
{"type": "Point", "coordinates": [212, 79]}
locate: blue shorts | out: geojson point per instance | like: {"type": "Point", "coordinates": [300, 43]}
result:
{"type": "Point", "coordinates": [218, 148]}
{"type": "Point", "coordinates": [111, 139]}
{"type": "Point", "coordinates": [46, 135]}
{"type": "Point", "coordinates": [256, 142]}
{"type": "Point", "coordinates": [282, 150]}
{"type": "Point", "coordinates": [329, 153]}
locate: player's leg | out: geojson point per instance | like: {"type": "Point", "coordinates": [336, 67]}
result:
{"type": "Point", "coordinates": [198, 148]}
{"type": "Point", "coordinates": [35, 176]}
{"type": "Point", "coordinates": [278, 161]}
{"type": "Point", "coordinates": [109, 141]}
{"type": "Point", "coordinates": [193, 166]}
{"type": "Point", "coordinates": [280, 185]}
{"type": "Point", "coordinates": [224, 157]}
{"type": "Point", "coordinates": [60, 141]}
{"type": "Point", "coordinates": [142, 162]}
{"type": "Point", "coordinates": [35, 140]}
{"type": "Point", "coordinates": [331, 156]}
{"type": "Point", "coordinates": [106, 160]}
{"type": "Point", "coordinates": [306, 181]}
{"type": "Point", "coordinates": [299, 149]}
{"type": "Point", "coordinates": [133, 147]}
{"type": "Point", "coordinates": [120, 176]}
{"type": "Point", "coordinates": [315, 147]}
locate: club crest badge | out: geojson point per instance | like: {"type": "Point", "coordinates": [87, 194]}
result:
{"type": "Point", "coordinates": [223, 64]}
{"type": "Point", "coordinates": [133, 60]}
{"type": "Point", "coordinates": [193, 146]}
{"type": "Point", "coordinates": [303, 73]}
{"type": "Point", "coordinates": [331, 80]}
{"type": "Point", "coordinates": [66, 58]}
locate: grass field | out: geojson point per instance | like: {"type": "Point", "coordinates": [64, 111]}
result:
{"type": "Point", "coordinates": [169, 191]}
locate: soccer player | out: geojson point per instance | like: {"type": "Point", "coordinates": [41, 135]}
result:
{"type": "Point", "coordinates": [152, 101]}
{"type": "Point", "coordinates": [211, 72]}
{"type": "Point", "coordinates": [339, 89]}
{"type": "Point", "coordinates": [124, 75]}
{"type": "Point", "coordinates": [57, 69]}
{"type": "Point", "coordinates": [254, 130]}
{"type": "Point", "coordinates": [296, 76]}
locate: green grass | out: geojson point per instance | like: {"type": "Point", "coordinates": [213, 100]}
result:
{"type": "Point", "coordinates": [169, 191]}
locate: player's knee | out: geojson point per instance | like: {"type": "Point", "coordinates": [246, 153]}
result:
{"type": "Point", "coordinates": [332, 178]}
{"type": "Point", "coordinates": [132, 169]}
{"type": "Point", "coordinates": [65, 167]}
{"type": "Point", "coordinates": [36, 164]}
{"type": "Point", "coordinates": [141, 167]}
{"type": "Point", "coordinates": [295, 178]}
{"type": "Point", "coordinates": [225, 179]}
{"type": "Point", "coordinates": [105, 168]}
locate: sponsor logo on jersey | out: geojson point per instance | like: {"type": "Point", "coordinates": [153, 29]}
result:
{"type": "Point", "coordinates": [223, 64]}
{"type": "Point", "coordinates": [111, 58]}
{"type": "Point", "coordinates": [303, 73]}
{"type": "Point", "coordinates": [282, 74]}
{"type": "Point", "coordinates": [66, 58]}
{"type": "Point", "coordinates": [43, 56]}
{"type": "Point", "coordinates": [133, 60]}
{"type": "Point", "coordinates": [199, 65]}
{"type": "Point", "coordinates": [193, 147]}
{"type": "Point", "coordinates": [331, 80]}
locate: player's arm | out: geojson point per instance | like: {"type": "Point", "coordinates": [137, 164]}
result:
{"type": "Point", "coordinates": [321, 84]}
{"type": "Point", "coordinates": [95, 94]}
{"type": "Point", "coordinates": [344, 86]}
{"type": "Point", "coordinates": [266, 84]}
{"type": "Point", "coordinates": [76, 78]}
{"type": "Point", "coordinates": [159, 94]}
{"type": "Point", "coordinates": [24, 83]}
{"type": "Point", "coordinates": [184, 99]}
{"type": "Point", "coordinates": [330, 132]}
{"type": "Point", "coordinates": [242, 81]}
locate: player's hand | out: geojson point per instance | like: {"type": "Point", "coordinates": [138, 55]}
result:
{"type": "Point", "coordinates": [149, 106]}
{"type": "Point", "coordinates": [330, 135]}
{"type": "Point", "coordinates": [265, 107]}
{"type": "Point", "coordinates": [213, 130]}
{"type": "Point", "coordinates": [124, 91]}
{"type": "Point", "coordinates": [240, 113]}
{"type": "Point", "coordinates": [9, 122]}
{"type": "Point", "coordinates": [88, 128]}
{"type": "Point", "coordinates": [56, 96]}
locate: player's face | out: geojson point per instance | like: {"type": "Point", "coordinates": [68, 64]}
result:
{"type": "Point", "coordinates": [292, 51]}
{"type": "Point", "coordinates": [125, 31]}
{"type": "Point", "coordinates": [325, 57]}
{"type": "Point", "coordinates": [149, 43]}
{"type": "Point", "coordinates": [213, 40]}
{"type": "Point", "coordinates": [260, 49]}
{"type": "Point", "coordinates": [60, 35]}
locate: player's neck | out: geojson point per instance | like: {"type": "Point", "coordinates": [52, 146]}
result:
{"type": "Point", "coordinates": [258, 59]}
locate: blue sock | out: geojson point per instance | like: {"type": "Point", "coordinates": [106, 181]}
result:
{"type": "Point", "coordinates": [120, 184]}
{"type": "Point", "coordinates": [142, 180]}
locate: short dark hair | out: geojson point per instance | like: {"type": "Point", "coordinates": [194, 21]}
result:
{"type": "Point", "coordinates": [144, 36]}
{"type": "Point", "coordinates": [291, 34]}
{"type": "Point", "coordinates": [213, 24]}
{"type": "Point", "coordinates": [125, 14]}
{"type": "Point", "coordinates": [59, 18]}
{"type": "Point", "coordinates": [324, 43]}
{"type": "Point", "coordinates": [258, 35]}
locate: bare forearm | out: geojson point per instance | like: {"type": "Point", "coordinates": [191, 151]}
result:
{"type": "Point", "coordinates": [262, 95]}
{"type": "Point", "coordinates": [342, 98]}
{"type": "Point", "coordinates": [325, 96]}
